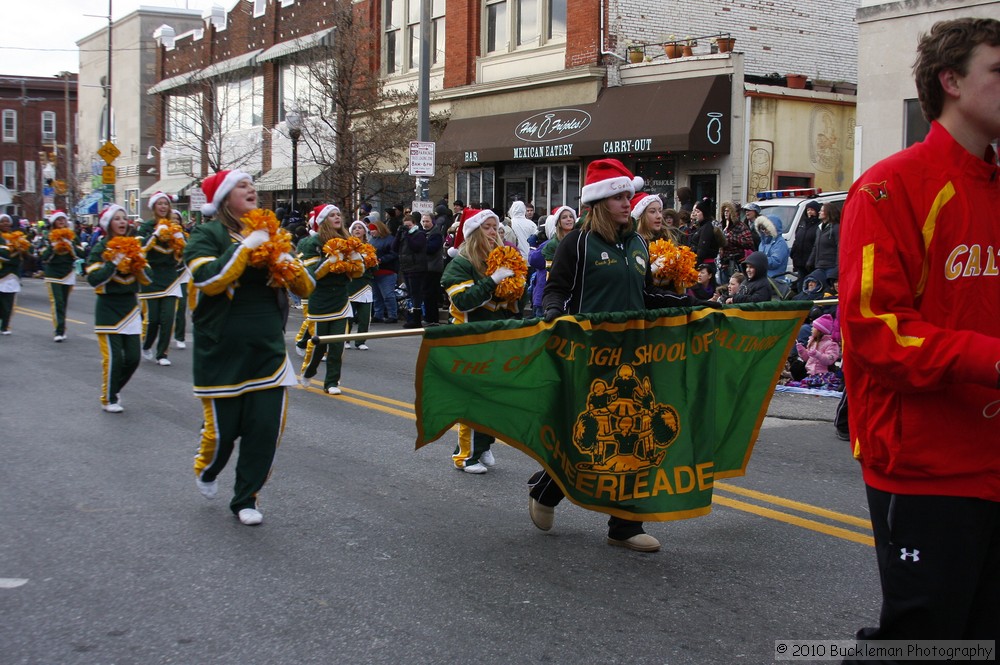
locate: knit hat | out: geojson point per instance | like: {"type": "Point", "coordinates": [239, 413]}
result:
{"type": "Point", "coordinates": [108, 213]}
{"type": "Point", "coordinates": [319, 214]}
{"type": "Point", "coordinates": [824, 324]}
{"type": "Point", "coordinates": [470, 220]}
{"type": "Point", "coordinates": [374, 216]}
{"type": "Point", "coordinates": [639, 203]}
{"type": "Point", "coordinates": [752, 206]}
{"type": "Point", "coordinates": [3, 214]}
{"type": "Point", "coordinates": [217, 187]}
{"type": "Point", "coordinates": [156, 197]}
{"type": "Point", "coordinates": [358, 223]}
{"type": "Point", "coordinates": [813, 205]}
{"type": "Point", "coordinates": [706, 208]}
{"type": "Point", "coordinates": [607, 177]}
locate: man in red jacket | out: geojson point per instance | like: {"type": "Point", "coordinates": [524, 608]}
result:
{"type": "Point", "coordinates": [920, 312]}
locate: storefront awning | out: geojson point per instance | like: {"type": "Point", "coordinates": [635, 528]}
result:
{"type": "Point", "coordinates": [177, 184]}
{"type": "Point", "coordinates": [690, 115]}
{"type": "Point", "coordinates": [280, 179]}
{"type": "Point", "coordinates": [171, 83]}
{"type": "Point", "coordinates": [89, 204]}
{"type": "Point", "coordinates": [225, 66]}
{"type": "Point", "coordinates": [296, 45]}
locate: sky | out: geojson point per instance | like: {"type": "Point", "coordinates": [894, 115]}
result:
{"type": "Point", "coordinates": [39, 36]}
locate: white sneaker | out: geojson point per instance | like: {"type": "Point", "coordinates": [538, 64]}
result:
{"type": "Point", "coordinates": [148, 354]}
{"type": "Point", "coordinates": [488, 459]}
{"type": "Point", "coordinates": [478, 467]}
{"type": "Point", "coordinates": [333, 390]}
{"type": "Point", "coordinates": [4, 332]}
{"type": "Point", "coordinates": [250, 517]}
{"type": "Point", "coordinates": [347, 345]}
{"type": "Point", "coordinates": [361, 347]}
{"type": "Point", "coordinates": [300, 352]}
{"type": "Point", "coordinates": [58, 338]}
{"type": "Point", "coordinates": [113, 408]}
{"type": "Point", "coordinates": [208, 490]}
{"type": "Point", "coordinates": [178, 344]}
{"type": "Point", "coordinates": [304, 382]}
{"type": "Point", "coordinates": [165, 362]}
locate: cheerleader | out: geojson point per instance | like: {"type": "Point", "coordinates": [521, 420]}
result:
{"type": "Point", "coordinates": [329, 306]}
{"type": "Point", "coordinates": [241, 367]}
{"type": "Point", "coordinates": [164, 243]}
{"type": "Point", "coordinates": [13, 246]}
{"type": "Point", "coordinates": [472, 293]}
{"type": "Point", "coordinates": [116, 277]}
{"type": "Point", "coordinates": [361, 293]}
{"type": "Point", "coordinates": [180, 322]}
{"type": "Point", "coordinates": [60, 250]}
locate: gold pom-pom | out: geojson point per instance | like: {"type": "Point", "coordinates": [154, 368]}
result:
{"type": "Point", "coordinates": [260, 218]}
{"type": "Point", "coordinates": [134, 258]}
{"type": "Point", "coordinates": [345, 256]}
{"type": "Point", "coordinates": [169, 236]}
{"type": "Point", "coordinates": [677, 268]}
{"type": "Point", "coordinates": [58, 235]}
{"type": "Point", "coordinates": [510, 288]}
{"type": "Point", "coordinates": [16, 242]}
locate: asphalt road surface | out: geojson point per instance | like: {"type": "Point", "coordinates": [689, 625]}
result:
{"type": "Point", "coordinates": [371, 552]}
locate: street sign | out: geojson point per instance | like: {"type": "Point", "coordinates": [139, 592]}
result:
{"type": "Point", "coordinates": [197, 199]}
{"type": "Point", "coordinates": [59, 186]}
{"type": "Point", "coordinates": [108, 193]}
{"type": "Point", "coordinates": [109, 152]}
{"type": "Point", "coordinates": [108, 175]}
{"type": "Point", "coordinates": [423, 207]}
{"type": "Point", "coordinates": [422, 158]}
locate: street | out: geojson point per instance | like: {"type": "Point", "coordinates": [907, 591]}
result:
{"type": "Point", "coordinates": [371, 552]}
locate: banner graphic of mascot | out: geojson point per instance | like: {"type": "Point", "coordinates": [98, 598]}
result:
{"type": "Point", "coordinates": [634, 414]}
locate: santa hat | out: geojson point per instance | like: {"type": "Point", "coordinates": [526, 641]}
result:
{"type": "Point", "coordinates": [466, 225]}
{"type": "Point", "coordinates": [607, 177]}
{"type": "Point", "coordinates": [156, 197]}
{"type": "Point", "coordinates": [3, 214]}
{"type": "Point", "coordinates": [357, 223]}
{"type": "Point", "coordinates": [552, 221]}
{"type": "Point", "coordinates": [217, 187]}
{"type": "Point", "coordinates": [57, 214]}
{"type": "Point", "coordinates": [319, 215]}
{"type": "Point", "coordinates": [639, 203]}
{"type": "Point", "coordinates": [824, 324]}
{"type": "Point", "coordinates": [108, 213]}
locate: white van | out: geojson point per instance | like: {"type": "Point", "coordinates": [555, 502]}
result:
{"type": "Point", "coordinates": [789, 206]}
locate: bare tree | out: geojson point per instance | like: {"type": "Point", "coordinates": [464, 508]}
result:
{"type": "Point", "coordinates": [355, 125]}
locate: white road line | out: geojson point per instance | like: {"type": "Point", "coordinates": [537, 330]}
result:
{"type": "Point", "coordinates": [11, 582]}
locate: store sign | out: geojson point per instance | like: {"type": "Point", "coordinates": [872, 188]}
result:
{"type": "Point", "coordinates": [552, 126]}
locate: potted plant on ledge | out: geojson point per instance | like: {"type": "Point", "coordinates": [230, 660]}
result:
{"type": "Point", "coordinates": [636, 53]}
{"type": "Point", "coordinates": [725, 43]}
{"type": "Point", "coordinates": [671, 48]}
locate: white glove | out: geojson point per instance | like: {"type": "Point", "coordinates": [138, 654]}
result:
{"type": "Point", "coordinates": [657, 265]}
{"type": "Point", "coordinates": [256, 239]}
{"type": "Point", "coordinates": [179, 235]}
{"type": "Point", "coordinates": [501, 273]}
{"type": "Point", "coordinates": [355, 256]}
{"type": "Point", "coordinates": [161, 228]}
{"type": "Point", "coordinates": [286, 258]}
{"type": "Point", "coordinates": [117, 258]}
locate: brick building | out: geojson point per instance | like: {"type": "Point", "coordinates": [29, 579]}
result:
{"type": "Point", "coordinates": [37, 142]}
{"type": "Point", "coordinates": [533, 91]}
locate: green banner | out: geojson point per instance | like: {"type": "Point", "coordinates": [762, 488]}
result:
{"type": "Point", "coordinates": [634, 414]}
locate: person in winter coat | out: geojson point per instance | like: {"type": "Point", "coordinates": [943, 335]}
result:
{"type": "Point", "coordinates": [385, 275]}
{"type": "Point", "coordinates": [472, 294]}
{"type": "Point", "coordinates": [756, 288]}
{"type": "Point", "coordinates": [522, 227]}
{"type": "Point", "coordinates": [59, 257]}
{"type": "Point", "coordinates": [411, 246]}
{"type": "Point", "coordinates": [825, 252]}
{"type": "Point", "coordinates": [805, 240]}
{"type": "Point", "coordinates": [822, 350]}
{"type": "Point", "coordinates": [773, 246]}
{"type": "Point", "coordinates": [241, 367]}
{"type": "Point", "coordinates": [739, 242]}
{"type": "Point", "coordinates": [594, 270]}
{"type": "Point", "coordinates": [10, 271]}
{"type": "Point", "coordinates": [706, 239]}
{"type": "Point", "coordinates": [435, 266]}
{"type": "Point", "coordinates": [557, 226]}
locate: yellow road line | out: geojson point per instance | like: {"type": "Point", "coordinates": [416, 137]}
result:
{"type": "Point", "coordinates": [378, 407]}
{"type": "Point", "coordinates": [796, 505]}
{"type": "Point", "coordinates": [769, 513]}
{"type": "Point", "coordinates": [379, 398]}
{"type": "Point", "coordinates": [42, 315]}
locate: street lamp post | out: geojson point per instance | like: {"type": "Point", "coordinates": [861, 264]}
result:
{"type": "Point", "coordinates": [294, 121]}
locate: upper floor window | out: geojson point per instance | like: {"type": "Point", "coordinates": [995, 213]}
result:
{"type": "Point", "coordinates": [9, 125]}
{"type": "Point", "coordinates": [259, 7]}
{"type": "Point", "coordinates": [915, 125]}
{"type": "Point", "coordinates": [300, 90]}
{"type": "Point", "coordinates": [514, 24]}
{"type": "Point", "coordinates": [240, 104]}
{"type": "Point", "coordinates": [402, 35]}
{"type": "Point", "coordinates": [184, 117]}
{"type": "Point", "coordinates": [102, 129]}
{"type": "Point", "coordinates": [10, 175]}
{"type": "Point", "coordinates": [48, 126]}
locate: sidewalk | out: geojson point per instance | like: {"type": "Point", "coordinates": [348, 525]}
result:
{"type": "Point", "coordinates": [795, 406]}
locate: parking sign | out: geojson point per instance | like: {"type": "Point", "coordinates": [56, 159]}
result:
{"type": "Point", "coordinates": [422, 158]}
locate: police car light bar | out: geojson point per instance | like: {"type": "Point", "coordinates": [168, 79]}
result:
{"type": "Point", "coordinates": [802, 192]}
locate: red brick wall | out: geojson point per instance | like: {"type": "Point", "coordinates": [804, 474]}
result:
{"type": "Point", "coordinates": [583, 27]}
{"type": "Point", "coordinates": [462, 26]}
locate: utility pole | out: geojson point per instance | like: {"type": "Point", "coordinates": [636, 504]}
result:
{"type": "Point", "coordinates": [423, 90]}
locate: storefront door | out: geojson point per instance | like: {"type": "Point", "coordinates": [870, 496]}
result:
{"type": "Point", "coordinates": [706, 186]}
{"type": "Point", "coordinates": [514, 189]}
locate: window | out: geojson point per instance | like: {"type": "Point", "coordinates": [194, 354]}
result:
{"type": "Point", "coordinates": [29, 177]}
{"type": "Point", "coordinates": [402, 35]}
{"type": "Point", "coordinates": [301, 91]}
{"type": "Point", "coordinates": [183, 117]}
{"type": "Point", "coordinates": [48, 126]}
{"type": "Point", "coordinates": [240, 104]}
{"type": "Point", "coordinates": [10, 126]}
{"type": "Point", "coordinates": [514, 24]}
{"type": "Point", "coordinates": [10, 175]}
{"type": "Point", "coordinates": [132, 203]}
{"type": "Point", "coordinates": [557, 185]}
{"type": "Point", "coordinates": [915, 125]}
{"type": "Point", "coordinates": [475, 186]}
{"type": "Point", "coordinates": [259, 7]}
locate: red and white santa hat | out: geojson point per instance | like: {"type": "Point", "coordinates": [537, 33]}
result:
{"type": "Point", "coordinates": [156, 197]}
{"type": "Point", "coordinates": [108, 213]}
{"type": "Point", "coordinates": [469, 221]}
{"type": "Point", "coordinates": [607, 177]}
{"type": "Point", "coordinates": [217, 187]}
{"type": "Point", "coordinates": [319, 214]}
{"type": "Point", "coordinates": [57, 214]}
{"type": "Point", "coordinates": [640, 202]}
{"type": "Point", "coordinates": [552, 221]}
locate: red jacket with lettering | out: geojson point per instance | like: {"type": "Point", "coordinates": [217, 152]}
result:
{"type": "Point", "coordinates": [920, 314]}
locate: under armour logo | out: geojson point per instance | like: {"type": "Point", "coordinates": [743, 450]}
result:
{"type": "Point", "coordinates": [912, 556]}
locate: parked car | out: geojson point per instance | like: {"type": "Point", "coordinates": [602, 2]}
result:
{"type": "Point", "coordinates": [789, 205]}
